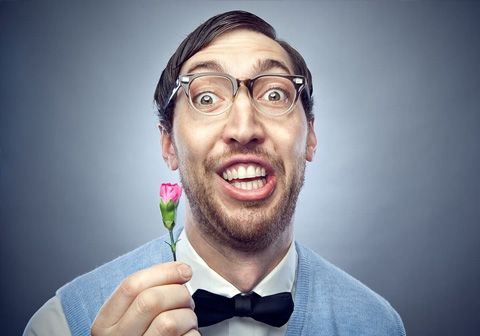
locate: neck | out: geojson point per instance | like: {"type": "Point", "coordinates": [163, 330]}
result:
{"type": "Point", "coordinates": [242, 269]}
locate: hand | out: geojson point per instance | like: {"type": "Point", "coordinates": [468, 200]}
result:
{"type": "Point", "coordinates": [153, 301]}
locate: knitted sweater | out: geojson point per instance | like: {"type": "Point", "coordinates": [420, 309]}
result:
{"type": "Point", "coordinates": [327, 300]}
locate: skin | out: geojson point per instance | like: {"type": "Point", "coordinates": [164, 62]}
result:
{"type": "Point", "coordinates": [155, 301]}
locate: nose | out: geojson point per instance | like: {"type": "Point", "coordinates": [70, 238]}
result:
{"type": "Point", "coordinates": [243, 126]}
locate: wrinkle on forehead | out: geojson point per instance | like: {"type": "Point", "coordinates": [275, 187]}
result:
{"type": "Point", "coordinates": [262, 66]}
{"type": "Point", "coordinates": [242, 54]}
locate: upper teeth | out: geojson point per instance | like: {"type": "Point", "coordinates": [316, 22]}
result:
{"type": "Point", "coordinates": [244, 171]}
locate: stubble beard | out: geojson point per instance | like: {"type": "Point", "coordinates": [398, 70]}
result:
{"type": "Point", "coordinates": [258, 225]}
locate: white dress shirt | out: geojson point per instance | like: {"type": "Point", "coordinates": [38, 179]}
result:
{"type": "Point", "coordinates": [50, 320]}
{"type": "Point", "coordinates": [280, 279]}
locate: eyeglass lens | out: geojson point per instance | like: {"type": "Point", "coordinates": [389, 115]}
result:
{"type": "Point", "coordinates": [214, 94]}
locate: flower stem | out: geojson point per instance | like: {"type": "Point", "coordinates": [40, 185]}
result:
{"type": "Point", "coordinates": [173, 245]}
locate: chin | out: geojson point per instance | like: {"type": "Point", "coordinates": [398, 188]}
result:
{"type": "Point", "coordinates": [249, 229]}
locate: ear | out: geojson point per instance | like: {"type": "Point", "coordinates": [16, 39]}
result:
{"type": "Point", "coordinates": [168, 150]}
{"type": "Point", "coordinates": [311, 142]}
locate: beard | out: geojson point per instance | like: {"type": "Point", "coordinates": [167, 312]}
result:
{"type": "Point", "coordinates": [258, 224]}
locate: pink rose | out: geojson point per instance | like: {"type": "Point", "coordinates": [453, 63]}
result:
{"type": "Point", "coordinates": [169, 198]}
{"type": "Point", "coordinates": [170, 192]}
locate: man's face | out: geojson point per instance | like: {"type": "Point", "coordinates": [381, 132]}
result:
{"type": "Point", "coordinates": [241, 170]}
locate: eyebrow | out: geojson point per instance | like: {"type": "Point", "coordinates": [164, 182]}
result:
{"type": "Point", "coordinates": [262, 66]}
{"type": "Point", "coordinates": [269, 64]}
{"type": "Point", "coordinates": [208, 65]}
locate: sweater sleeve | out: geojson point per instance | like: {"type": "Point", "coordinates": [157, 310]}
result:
{"type": "Point", "coordinates": [49, 320]}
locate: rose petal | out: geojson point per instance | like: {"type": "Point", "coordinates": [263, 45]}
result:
{"type": "Point", "coordinates": [170, 192]}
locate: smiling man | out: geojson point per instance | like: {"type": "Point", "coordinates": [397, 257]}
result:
{"type": "Point", "coordinates": [235, 108]}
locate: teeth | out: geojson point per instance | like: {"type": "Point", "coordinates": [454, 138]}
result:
{"type": "Point", "coordinates": [251, 171]}
{"type": "Point", "coordinates": [242, 172]}
{"type": "Point", "coordinates": [251, 185]}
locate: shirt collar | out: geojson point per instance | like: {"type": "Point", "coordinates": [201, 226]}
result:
{"type": "Point", "coordinates": [280, 279]}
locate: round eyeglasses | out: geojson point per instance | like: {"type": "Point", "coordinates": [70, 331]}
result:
{"type": "Point", "coordinates": [213, 93]}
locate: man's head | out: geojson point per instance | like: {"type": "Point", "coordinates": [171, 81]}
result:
{"type": "Point", "coordinates": [202, 37]}
{"type": "Point", "coordinates": [241, 169]}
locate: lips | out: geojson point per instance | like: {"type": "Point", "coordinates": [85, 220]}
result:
{"type": "Point", "coordinates": [247, 178]}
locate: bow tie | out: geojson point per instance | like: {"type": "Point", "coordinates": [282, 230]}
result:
{"type": "Point", "coordinates": [211, 308]}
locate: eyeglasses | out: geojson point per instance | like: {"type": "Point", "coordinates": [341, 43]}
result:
{"type": "Point", "coordinates": [213, 93]}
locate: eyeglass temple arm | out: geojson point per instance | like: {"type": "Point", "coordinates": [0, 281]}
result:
{"type": "Point", "coordinates": [174, 92]}
{"type": "Point", "coordinates": [180, 81]}
{"type": "Point", "coordinates": [302, 84]}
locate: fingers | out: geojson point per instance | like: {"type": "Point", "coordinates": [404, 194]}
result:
{"type": "Point", "coordinates": [174, 322]}
{"type": "Point", "coordinates": [153, 302]}
{"type": "Point", "coordinates": [121, 299]}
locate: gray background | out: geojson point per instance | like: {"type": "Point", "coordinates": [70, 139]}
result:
{"type": "Point", "coordinates": [393, 196]}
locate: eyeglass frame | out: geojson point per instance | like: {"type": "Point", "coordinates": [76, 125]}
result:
{"type": "Point", "coordinates": [184, 81]}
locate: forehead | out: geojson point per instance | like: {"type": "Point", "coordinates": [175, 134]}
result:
{"type": "Point", "coordinates": [241, 53]}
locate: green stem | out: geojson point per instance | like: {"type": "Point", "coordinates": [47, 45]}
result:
{"type": "Point", "coordinates": [173, 246]}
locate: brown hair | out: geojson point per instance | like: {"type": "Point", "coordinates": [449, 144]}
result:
{"type": "Point", "coordinates": [201, 38]}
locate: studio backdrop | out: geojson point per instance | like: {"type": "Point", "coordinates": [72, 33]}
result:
{"type": "Point", "coordinates": [392, 197]}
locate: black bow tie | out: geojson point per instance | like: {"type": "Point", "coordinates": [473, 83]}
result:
{"type": "Point", "coordinates": [211, 308]}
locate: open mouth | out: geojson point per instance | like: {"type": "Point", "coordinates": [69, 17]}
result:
{"type": "Point", "coordinates": [246, 176]}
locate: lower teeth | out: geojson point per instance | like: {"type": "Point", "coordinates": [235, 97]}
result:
{"type": "Point", "coordinates": [250, 185]}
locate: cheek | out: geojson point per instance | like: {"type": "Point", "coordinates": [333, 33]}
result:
{"type": "Point", "coordinates": [193, 139]}
{"type": "Point", "coordinates": [291, 140]}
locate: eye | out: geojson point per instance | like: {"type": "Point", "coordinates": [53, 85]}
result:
{"type": "Point", "coordinates": [275, 95]}
{"type": "Point", "coordinates": [205, 99]}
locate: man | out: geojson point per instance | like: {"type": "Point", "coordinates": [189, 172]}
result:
{"type": "Point", "coordinates": [236, 120]}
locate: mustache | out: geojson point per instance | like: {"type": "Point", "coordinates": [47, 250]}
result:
{"type": "Point", "coordinates": [212, 163]}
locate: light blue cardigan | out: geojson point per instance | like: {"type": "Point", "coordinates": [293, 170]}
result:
{"type": "Point", "coordinates": [327, 300]}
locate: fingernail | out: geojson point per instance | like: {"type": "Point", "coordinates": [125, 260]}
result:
{"type": "Point", "coordinates": [185, 271]}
